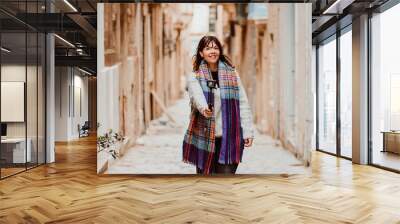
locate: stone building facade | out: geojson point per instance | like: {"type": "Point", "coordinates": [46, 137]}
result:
{"type": "Point", "coordinates": [148, 48]}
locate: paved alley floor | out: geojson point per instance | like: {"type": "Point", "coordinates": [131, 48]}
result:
{"type": "Point", "coordinates": [159, 151]}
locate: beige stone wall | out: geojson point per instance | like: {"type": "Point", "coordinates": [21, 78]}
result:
{"type": "Point", "coordinates": [145, 42]}
{"type": "Point", "coordinates": [273, 58]}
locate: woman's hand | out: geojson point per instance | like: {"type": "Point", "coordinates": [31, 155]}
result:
{"type": "Point", "coordinates": [248, 142]}
{"type": "Point", "coordinates": [207, 112]}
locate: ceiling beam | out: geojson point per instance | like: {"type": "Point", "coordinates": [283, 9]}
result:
{"type": "Point", "coordinates": [84, 24]}
{"type": "Point", "coordinates": [82, 61]}
{"type": "Point", "coordinates": [337, 7]}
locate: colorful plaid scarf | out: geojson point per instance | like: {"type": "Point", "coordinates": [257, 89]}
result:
{"type": "Point", "coordinates": [199, 140]}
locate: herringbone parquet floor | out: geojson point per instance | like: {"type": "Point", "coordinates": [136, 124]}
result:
{"type": "Point", "coordinates": [70, 191]}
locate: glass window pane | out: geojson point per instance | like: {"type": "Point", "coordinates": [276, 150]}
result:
{"type": "Point", "coordinates": [13, 87]}
{"type": "Point", "coordinates": [346, 94]}
{"type": "Point", "coordinates": [22, 87]}
{"type": "Point", "coordinates": [386, 89]}
{"type": "Point", "coordinates": [327, 97]}
{"type": "Point", "coordinates": [31, 100]}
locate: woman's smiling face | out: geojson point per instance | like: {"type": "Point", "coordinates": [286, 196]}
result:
{"type": "Point", "coordinates": [210, 53]}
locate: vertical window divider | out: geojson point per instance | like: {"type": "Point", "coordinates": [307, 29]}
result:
{"type": "Point", "coordinates": [69, 92]}
{"type": "Point", "coordinates": [338, 82]}
{"type": "Point", "coordinates": [37, 90]}
{"type": "Point", "coordinates": [26, 86]}
{"type": "Point", "coordinates": [369, 89]}
{"type": "Point", "coordinates": [317, 96]}
{"type": "Point", "coordinates": [73, 92]}
{"type": "Point", "coordinates": [44, 75]}
{"type": "Point", "coordinates": [45, 88]}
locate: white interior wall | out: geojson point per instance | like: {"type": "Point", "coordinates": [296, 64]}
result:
{"type": "Point", "coordinates": [66, 119]}
{"type": "Point", "coordinates": [61, 104]}
{"type": "Point", "coordinates": [14, 73]}
{"type": "Point", "coordinates": [79, 118]}
{"type": "Point", "coordinates": [33, 126]}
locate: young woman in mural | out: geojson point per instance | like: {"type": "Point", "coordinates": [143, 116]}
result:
{"type": "Point", "coordinates": [221, 123]}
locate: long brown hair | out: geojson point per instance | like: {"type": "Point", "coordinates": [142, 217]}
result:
{"type": "Point", "coordinates": [204, 41]}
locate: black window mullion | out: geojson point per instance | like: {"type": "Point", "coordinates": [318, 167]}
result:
{"type": "Point", "coordinates": [338, 98]}
{"type": "Point", "coordinates": [317, 96]}
{"type": "Point", "coordinates": [45, 94]}
{"type": "Point", "coordinates": [72, 81]}
{"type": "Point", "coordinates": [37, 90]}
{"type": "Point", "coordinates": [369, 90]}
{"type": "Point", "coordinates": [26, 86]}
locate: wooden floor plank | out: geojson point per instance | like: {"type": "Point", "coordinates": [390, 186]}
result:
{"type": "Point", "coordinates": [70, 191]}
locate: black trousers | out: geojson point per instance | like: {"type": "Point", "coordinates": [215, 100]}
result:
{"type": "Point", "coordinates": [217, 168]}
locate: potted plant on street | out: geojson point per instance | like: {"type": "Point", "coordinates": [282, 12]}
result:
{"type": "Point", "coordinates": [110, 142]}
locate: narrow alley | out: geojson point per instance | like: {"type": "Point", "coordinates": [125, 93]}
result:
{"type": "Point", "coordinates": [159, 151]}
{"type": "Point", "coordinates": [148, 52]}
